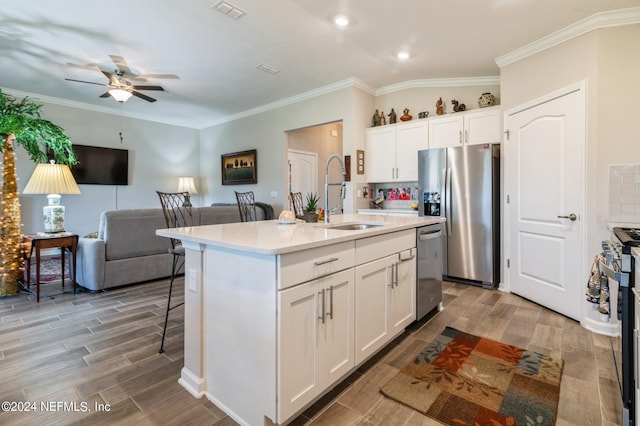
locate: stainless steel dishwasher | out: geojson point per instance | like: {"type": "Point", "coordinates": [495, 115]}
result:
{"type": "Point", "coordinates": [429, 271]}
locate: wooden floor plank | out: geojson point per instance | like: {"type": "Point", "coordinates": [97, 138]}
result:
{"type": "Point", "coordinates": [102, 347]}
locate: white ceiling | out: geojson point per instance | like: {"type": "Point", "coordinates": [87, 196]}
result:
{"type": "Point", "coordinates": [42, 42]}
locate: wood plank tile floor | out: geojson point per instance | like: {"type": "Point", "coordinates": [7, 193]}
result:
{"type": "Point", "coordinates": [93, 359]}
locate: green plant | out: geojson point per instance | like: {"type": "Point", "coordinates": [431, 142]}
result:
{"type": "Point", "coordinates": [20, 124]}
{"type": "Point", "coordinates": [312, 202]}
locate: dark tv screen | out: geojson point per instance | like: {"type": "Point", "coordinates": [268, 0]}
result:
{"type": "Point", "coordinates": [101, 166]}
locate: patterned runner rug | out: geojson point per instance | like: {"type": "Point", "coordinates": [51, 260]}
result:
{"type": "Point", "coordinates": [462, 379]}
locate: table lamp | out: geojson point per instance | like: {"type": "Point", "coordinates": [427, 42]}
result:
{"type": "Point", "coordinates": [53, 179]}
{"type": "Point", "coordinates": [187, 184]}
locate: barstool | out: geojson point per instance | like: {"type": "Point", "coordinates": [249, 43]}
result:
{"type": "Point", "coordinates": [177, 214]}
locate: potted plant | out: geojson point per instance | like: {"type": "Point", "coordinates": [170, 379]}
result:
{"type": "Point", "coordinates": [20, 124]}
{"type": "Point", "coordinates": [311, 207]}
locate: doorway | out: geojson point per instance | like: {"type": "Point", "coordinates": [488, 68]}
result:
{"type": "Point", "coordinates": [303, 172]}
{"type": "Point", "coordinates": [545, 174]}
{"type": "Point", "coordinates": [302, 145]}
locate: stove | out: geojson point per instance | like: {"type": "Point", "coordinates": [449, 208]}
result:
{"type": "Point", "coordinates": [618, 255]}
{"type": "Point", "coordinates": [628, 237]}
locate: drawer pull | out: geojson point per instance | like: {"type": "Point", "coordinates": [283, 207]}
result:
{"type": "Point", "coordinates": [324, 262]}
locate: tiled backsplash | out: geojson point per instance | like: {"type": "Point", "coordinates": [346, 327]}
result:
{"type": "Point", "coordinates": [624, 193]}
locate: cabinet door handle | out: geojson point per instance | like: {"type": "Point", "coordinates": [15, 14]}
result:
{"type": "Point", "coordinates": [321, 293]}
{"type": "Point", "coordinates": [330, 302]}
{"type": "Point", "coordinates": [460, 136]}
{"type": "Point", "coordinates": [397, 267]}
{"type": "Point", "coordinates": [324, 262]}
{"type": "Point", "coordinates": [466, 136]}
{"type": "Point", "coordinates": [392, 274]}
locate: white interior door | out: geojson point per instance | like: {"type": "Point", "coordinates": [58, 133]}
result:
{"type": "Point", "coordinates": [546, 180]}
{"type": "Point", "coordinates": [303, 171]}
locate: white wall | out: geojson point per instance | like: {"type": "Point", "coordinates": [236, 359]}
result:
{"type": "Point", "coordinates": [158, 154]}
{"type": "Point", "coordinates": [266, 132]}
{"type": "Point", "coordinates": [609, 62]}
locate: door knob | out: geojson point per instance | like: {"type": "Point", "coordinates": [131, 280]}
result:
{"type": "Point", "coordinates": [572, 217]}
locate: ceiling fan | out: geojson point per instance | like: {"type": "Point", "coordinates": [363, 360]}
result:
{"type": "Point", "coordinates": [120, 88]}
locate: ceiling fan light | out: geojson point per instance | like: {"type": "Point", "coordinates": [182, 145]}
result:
{"type": "Point", "coordinates": [120, 95]}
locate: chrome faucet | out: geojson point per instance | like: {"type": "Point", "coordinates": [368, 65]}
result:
{"type": "Point", "coordinates": [326, 184]}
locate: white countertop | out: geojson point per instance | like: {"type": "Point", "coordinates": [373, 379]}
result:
{"type": "Point", "coordinates": [271, 237]}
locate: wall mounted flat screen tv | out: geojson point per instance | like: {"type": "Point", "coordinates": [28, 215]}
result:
{"type": "Point", "coordinates": [101, 166]}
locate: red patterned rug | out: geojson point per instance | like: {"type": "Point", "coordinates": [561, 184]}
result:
{"type": "Point", "coordinates": [50, 267]}
{"type": "Point", "coordinates": [461, 379]}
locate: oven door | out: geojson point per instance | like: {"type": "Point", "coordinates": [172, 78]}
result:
{"type": "Point", "coordinates": [618, 267]}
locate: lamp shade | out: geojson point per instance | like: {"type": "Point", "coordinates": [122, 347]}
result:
{"type": "Point", "coordinates": [187, 184]}
{"type": "Point", "coordinates": [50, 178]}
{"type": "Point", "coordinates": [120, 95]}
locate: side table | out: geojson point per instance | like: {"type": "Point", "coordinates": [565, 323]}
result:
{"type": "Point", "coordinates": [41, 240]}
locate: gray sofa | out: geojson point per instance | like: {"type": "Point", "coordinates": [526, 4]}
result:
{"type": "Point", "coordinates": [128, 250]}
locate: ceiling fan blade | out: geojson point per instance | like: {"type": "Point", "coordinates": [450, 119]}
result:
{"type": "Point", "coordinates": [121, 64]}
{"type": "Point", "coordinates": [89, 67]}
{"type": "Point", "coordinates": [148, 88]}
{"type": "Point", "coordinates": [143, 96]}
{"type": "Point", "coordinates": [105, 95]}
{"type": "Point", "coordinates": [112, 78]}
{"type": "Point", "coordinates": [159, 76]}
{"type": "Point", "coordinates": [82, 81]}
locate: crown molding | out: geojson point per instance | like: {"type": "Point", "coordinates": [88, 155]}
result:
{"type": "Point", "coordinates": [344, 84]}
{"type": "Point", "coordinates": [84, 106]}
{"type": "Point", "coordinates": [599, 20]}
{"type": "Point", "coordinates": [439, 82]}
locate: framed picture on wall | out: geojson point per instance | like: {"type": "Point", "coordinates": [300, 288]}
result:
{"type": "Point", "coordinates": [240, 167]}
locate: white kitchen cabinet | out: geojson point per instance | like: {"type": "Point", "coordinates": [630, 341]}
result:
{"type": "Point", "coordinates": [380, 154]}
{"type": "Point", "coordinates": [316, 339]}
{"type": "Point", "coordinates": [392, 151]}
{"type": "Point", "coordinates": [402, 298]}
{"type": "Point", "coordinates": [372, 330]}
{"type": "Point", "coordinates": [468, 128]}
{"type": "Point", "coordinates": [384, 291]}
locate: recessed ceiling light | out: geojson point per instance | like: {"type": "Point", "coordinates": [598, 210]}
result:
{"type": "Point", "coordinates": [403, 55]}
{"type": "Point", "coordinates": [341, 21]}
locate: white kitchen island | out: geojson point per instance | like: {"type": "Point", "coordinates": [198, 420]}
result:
{"type": "Point", "coordinates": [275, 314]}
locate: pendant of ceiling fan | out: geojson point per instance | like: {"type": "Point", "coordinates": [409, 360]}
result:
{"type": "Point", "coordinates": [122, 89]}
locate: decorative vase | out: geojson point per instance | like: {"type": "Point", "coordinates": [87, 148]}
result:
{"type": "Point", "coordinates": [310, 217]}
{"type": "Point", "coordinates": [405, 116]}
{"type": "Point", "coordinates": [486, 100]}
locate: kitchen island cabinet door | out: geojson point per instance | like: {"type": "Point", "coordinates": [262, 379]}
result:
{"type": "Point", "coordinates": [372, 330]}
{"type": "Point", "coordinates": [315, 339]}
{"type": "Point", "coordinates": [402, 296]}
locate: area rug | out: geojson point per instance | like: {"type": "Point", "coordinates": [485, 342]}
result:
{"type": "Point", "coordinates": [462, 379]}
{"type": "Point", "coordinates": [50, 267]}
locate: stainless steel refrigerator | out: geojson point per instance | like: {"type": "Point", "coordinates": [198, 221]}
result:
{"type": "Point", "coordinates": [462, 184]}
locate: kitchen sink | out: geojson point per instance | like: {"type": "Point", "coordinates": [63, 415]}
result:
{"type": "Point", "coordinates": [354, 226]}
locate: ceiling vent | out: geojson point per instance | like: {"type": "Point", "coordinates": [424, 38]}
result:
{"type": "Point", "coordinates": [228, 9]}
{"type": "Point", "coordinates": [268, 68]}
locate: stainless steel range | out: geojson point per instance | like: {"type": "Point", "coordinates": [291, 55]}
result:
{"type": "Point", "coordinates": [620, 266]}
